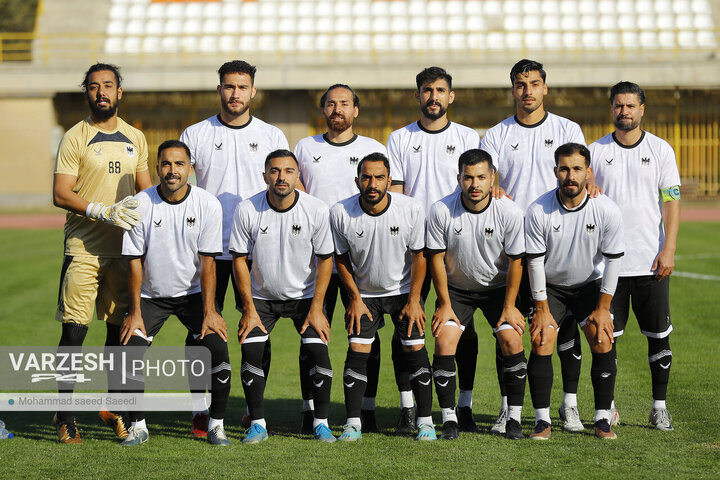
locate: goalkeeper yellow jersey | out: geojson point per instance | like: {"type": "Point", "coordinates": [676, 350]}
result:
{"type": "Point", "coordinates": [105, 164]}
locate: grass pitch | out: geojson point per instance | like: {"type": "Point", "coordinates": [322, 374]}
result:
{"type": "Point", "coordinates": [30, 265]}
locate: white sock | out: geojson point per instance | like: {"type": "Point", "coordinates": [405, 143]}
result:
{"type": "Point", "coordinates": [355, 421]}
{"type": "Point", "coordinates": [602, 414]}
{"type": "Point", "coordinates": [465, 398]}
{"type": "Point", "coordinates": [425, 421]}
{"type": "Point", "coordinates": [320, 421]}
{"type": "Point", "coordinates": [368, 403]}
{"type": "Point", "coordinates": [448, 415]}
{"type": "Point", "coordinates": [569, 400]}
{"type": "Point", "coordinates": [503, 403]}
{"type": "Point", "coordinates": [406, 399]}
{"type": "Point", "coordinates": [261, 421]}
{"type": "Point", "coordinates": [140, 424]}
{"type": "Point", "coordinates": [542, 414]}
{"type": "Point", "coordinates": [308, 405]}
{"type": "Point", "coordinates": [515, 412]}
{"type": "Point", "coordinates": [214, 422]}
{"type": "Point", "coordinates": [659, 404]}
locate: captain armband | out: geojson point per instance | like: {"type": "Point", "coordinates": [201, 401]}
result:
{"type": "Point", "coordinates": [671, 193]}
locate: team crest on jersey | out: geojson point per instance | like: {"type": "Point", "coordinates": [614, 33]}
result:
{"type": "Point", "coordinates": [645, 161]}
{"type": "Point", "coordinates": [98, 151]}
{"type": "Point", "coordinates": [253, 147]}
{"type": "Point", "coordinates": [354, 160]}
{"type": "Point", "coordinates": [489, 231]}
{"type": "Point", "coordinates": [450, 149]}
{"type": "Point", "coordinates": [296, 230]}
{"type": "Point", "coordinates": [130, 150]}
{"type": "Point", "coordinates": [609, 162]}
{"type": "Point", "coordinates": [590, 228]}
{"type": "Point", "coordinates": [316, 159]}
{"type": "Point", "coordinates": [394, 230]}
{"type": "Point", "coordinates": [263, 231]}
{"type": "Point", "coordinates": [218, 146]}
{"type": "Point", "coordinates": [515, 147]}
{"type": "Point", "coordinates": [416, 149]}
{"type": "Point", "coordinates": [549, 143]}
{"type": "Point", "coordinates": [190, 222]}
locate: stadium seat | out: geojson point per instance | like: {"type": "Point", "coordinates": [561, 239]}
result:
{"type": "Point", "coordinates": [381, 41]}
{"type": "Point", "coordinates": [666, 22]}
{"type": "Point", "coordinates": [286, 25]}
{"type": "Point", "coordinates": [610, 39]}
{"type": "Point", "coordinates": [437, 9]}
{"type": "Point", "coordinates": [608, 23]}
{"type": "Point", "coordinates": [553, 40]}
{"type": "Point", "coordinates": [588, 7]}
{"type": "Point", "coordinates": [156, 11]}
{"type": "Point", "coordinates": [193, 10]}
{"type": "Point", "coordinates": [473, 8]}
{"type": "Point", "coordinates": [212, 10]}
{"type": "Point", "coordinates": [627, 22]}
{"type": "Point", "coordinates": [551, 23]}
{"type": "Point", "coordinates": [208, 44]}
{"type": "Point", "coordinates": [644, 7]}
{"type": "Point", "coordinates": [248, 43]}
{"type": "Point", "coordinates": [227, 44]}
{"type": "Point", "coordinates": [706, 39]}
{"type": "Point", "coordinates": [400, 25]}
{"type": "Point", "coordinates": [681, 6]}
{"type": "Point", "coordinates": [361, 24]}
{"type": "Point", "coordinates": [684, 22]}
{"type": "Point", "coordinates": [230, 10]}
{"type": "Point", "coordinates": [569, 7]}
{"type": "Point", "coordinates": [625, 8]}
{"type": "Point", "coordinates": [230, 25]}
{"type": "Point", "coordinates": [113, 45]}
{"type": "Point", "coordinates": [477, 41]}
{"type": "Point", "coordinates": [608, 7]}
{"type": "Point", "coordinates": [305, 42]}
{"type": "Point", "coordinates": [268, 25]}
{"type": "Point", "coordinates": [418, 24]}
{"type": "Point", "coordinates": [188, 44]}
{"type": "Point", "coordinates": [496, 41]}
{"type": "Point", "coordinates": [399, 41]}
{"type": "Point", "coordinates": [630, 39]}
{"type": "Point", "coordinates": [136, 12]}
{"type": "Point", "coordinates": [475, 23]}
{"type": "Point", "coordinates": [701, 6]}
{"type": "Point", "coordinates": [570, 40]}
{"type": "Point", "coordinates": [457, 41]}
{"type": "Point", "coordinates": [250, 25]}
{"type": "Point", "coordinates": [437, 24]}
{"type": "Point", "coordinates": [379, 25]}
{"type": "Point", "coordinates": [324, 25]}
{"type": "Point", "coordinates": [703, 22]}
{"type": "Point", "coordinates": [456, 23]}
{"type": "Point", "coordinates": [437, 41]}
{"type": "Point", "coordinates": [154, 27]}
{"type": "Point", "coordinates": [343, 24]}
{"type": "Point", "coordinates": [287, 43]}
{"type": "Point", "coordinates": [398, 9]}
{"type": "Point", "coordinates": [175, 10]}
{"type": "Point", "coordinates": [512, 23]}
{"type": "Point", "coordinates": [117, 13]}
{"type": "Point", "coordinates": [514, 40]}
{"type": "Point", "coordinates": [361, 42]}
{"type": "Point", "coordinates": [589, 22]}
{"type": "Point", "coordinates": [211, 25]}
{"type": "Point", "coordinates": [116, 27]}
{"type": "Point", "coordinates": [590, 40]}
{"type": "Point", "coordinates": [663, 7]}
{"type": "Point", "coordinates": [648, 40]}
{"type": "Point", "coordinates": [135, 27]}
{"type": "Point", "coordinates": [666, 39]}
{"type": "Point", "coordinates": [151, 45]}
{"type": "Point", "coordinates": [686, 39]}
{"type": "Point", "coordinates": [131, 45]}
{"type": "Point", "coordinates": [646, 22]}
{"type": "Point", "coordinates": [570, 23]}
{"type": "Point", "coordinates": [173, 27]}
{"type": "Point", "coordinates": [342, 42]}
{"type": "Point", "coordinates": [287, 10]}
{"type": "Point", "coordinates": [533, 40]}
{"type": "Point", "coordinates": [493, 8]}
{"type": "Point", "coordinates": [268, 43]}
{"type": "Point", "coordinates": [192, 26]}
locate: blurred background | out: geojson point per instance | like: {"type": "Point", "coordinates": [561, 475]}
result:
{"type": "Point", "coordinates": [169, 52]}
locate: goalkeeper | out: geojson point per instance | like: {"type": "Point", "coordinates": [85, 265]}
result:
{"type": "Point", "coordinates": [101, 162]}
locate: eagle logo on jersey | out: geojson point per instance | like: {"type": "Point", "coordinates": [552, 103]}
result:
{"type": "Point", "coordinates": [556, 229]}
{"type": "Point", "coordinates": [263, 231]}
{"type": "Point", "coordinates": [354, 160]}
{"type": "Point", "coordinates": [417, 149]}
{"type": "Point", "coordinates": [190, 222]}
{"type": "Point", "coordinates": [515, 147]}
{"type": "Point", "coordinates": [98, 151]}
{"type": "Point", "coordinates": [296, 230]}
{"type": "Point", "coordinates": [609, 162]}
{"type": "Point", "coordinates": [457, 230]}
{"type": "Point", "coordinates": [218, 146]}
{"type": "Point", "coordinates": [130, 149]}
{"type": "Point", "coordinates": [549, 142]}
{"type": "Point", "coordinates": [394, 230]}
{"type": "Point", "coordinates": [450, 149]}
{"type": "Point", "coordinates": [253, 147]}
{"type": "Point", "coordinates": [590, 228]}
{"type": "Point", "coordinates": [316, 159]}
{"type": "Point", "coordinates": [360, 234]}
{"type": "Point", "coordinates": [489, 232]}
{"type": "Point", "coordinates": [645, 161]}
{"type": "Point", "coordinates": [157, 224]}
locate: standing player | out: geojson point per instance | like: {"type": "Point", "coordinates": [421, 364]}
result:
{"type": "Point", "coordinates": [181, 226]}
{"type": "Point", "coordinates": [328, 164]}
{"type": "Point", "coordinates": [476, 244]}
{"type": "Point", "coordinates": [522, 147]}
{"type": "Point", "coordinates": [572, 240]}
{"type": "Point", "coordinates": [228, 151]}
{"type": "Point", "coordinates": [287, 233]}
{"type": "Point", "coordinates": [639, 171]}
{"type": "Point", "coordinates": [101, 161]}
{"type": "Point", "coordinates": [423, 162]}
{"type": "Point", "coordinates": [379, 242]}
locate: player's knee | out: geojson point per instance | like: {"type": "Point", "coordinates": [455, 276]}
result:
{"type": "Point", "coordinates": [413, 348]}
{"type": "Point", "coordinates": [547, 346]}
{"type": "Point", "coordinates": [217, 346]}
{"type": "Point", "coordinates": [360, 347]}
{"type": "Point", "coordinates": [510, 342]}
{"type": "Point", "coordinates": [446, 343]}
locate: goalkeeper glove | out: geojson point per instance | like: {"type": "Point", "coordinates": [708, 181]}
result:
{"type": "Point", "coordinates": [121, 214]}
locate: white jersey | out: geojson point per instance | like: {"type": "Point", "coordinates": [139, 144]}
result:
{"type": "Point", "coordinates": [427, 161]}
{"type": "Point", "coordinates": [524, 155]}
{"type": "Point", "coordinates": [379, 245]}
{"type": "Point", "coordinates": [328, 170]}
{"type": "Point", "coordinates": [283, 244]}
{"type": "Point", "coordinates": [170, 237]}
{"type": "Point", "coordinates": [573, 241]}
{"type": "Point", "coordinates": [633, 177]}
{"type": "Point", "coordinates": [476, 244]}
{"type": "Point", "coordinates": [229, 161]}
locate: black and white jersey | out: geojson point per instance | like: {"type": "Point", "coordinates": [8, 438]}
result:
{"type": "Point", "coordinates": [229, 161]}
{"type": "Point", "coordinates": [524, 155]}
{"type": "Point", "coordinates": [476, 244]}
{"type": "Point", "coordinates": [573, 241]}
{"type": "Point", "coordinates": [633, 177]}
{"type": "Point", "coordinates": [328, 170]}
{"type": "Point", "coordinates": [427, 161]}
{"type": "Point", "coordinates": [170, 238]}
{"type": "Point", "coordinates": [283, 244]}
{"type": "Point", "coordinates": [379, 245]}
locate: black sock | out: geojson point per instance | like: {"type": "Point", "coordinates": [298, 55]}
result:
{"type": "Point", "coordinates": [71, 340]}
{"type": "Point", "coordinates": [135, 381]}
{"type": "Point", "coordinates": [603, 373]}
{"type": "Point", "coordinates": [499, 369]}
{"type": "Point", "coordinates": [373, 369]}
{"type": "Point", "coordinates": [253, 378]}
{"type": "Point", "coordinates": [660, 359]}
{"type": "Point", "coordinates": [466, 359]}
{"type": "Point", "coordinates": [219, 374]}
{"type": "Point", "coordinates": [540, 379]}
{"type": "Point", "coordinates": [267, 355]}
{"type": "Point", "coordinates": [570, 354]}
{"type": "Point", "coordinates": [320, 376]}
{"type": "Point", "coordinates": [402, 375]}
{"type": "Point", "coordinates": [444, 376]}
{"type": "Point", "coordinates": [305, 383]}
{"type": "Point", "coordinates": [198, 386]}
{"type": "Point", "coordinates": [354, 381]}
{"type": "Point", "coordinates": [515, 371]}
{"type": "Point", "coordinates": [420, 379]}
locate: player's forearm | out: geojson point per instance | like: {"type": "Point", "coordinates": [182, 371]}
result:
{"type": "Point", "coordinates": [322, 279]}
{"type": "Point", "coordinates": [604, 302]}
{"type": "Point", "coordinates": [208, 282]}
{"type": "Point", "coordinates": [65, 197]}
{"type": "Point", "coordinates": [242, 279]}
{"type": "Point", "coordinates": [345, 272]}
{"type": "Point", "coordinates": [439, 278]}
{"type": "Point", "coordinates": [397, 188]}
{"type": "Point", "coordinates": [512, 283]}
{"type": "Point", "coordinates": [134, 285]}
{"type": "Point", "coordinates": [671, 217]}
{"type": "Point", "coordinates": [418, 270]}
{"type": "Point", "coordinates": [142, 181]}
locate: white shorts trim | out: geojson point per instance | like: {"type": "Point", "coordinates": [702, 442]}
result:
{"type": "Point", "coordinates": [305, 341]}
{"type": "Point", "coordinates": [260, 339]}
{"type": "Point", "coordinates": [362, 341]}
{"type": "Point", "coordinates": [504, 326]}
{"type": "Point", "coordinates": [418, 341]}
{"type": "Point", "coordinates": [454, 324]}
{"type": "Point", "coordinates": [139, 333]}
{"type": "Point", "coordinates": [657, 335]}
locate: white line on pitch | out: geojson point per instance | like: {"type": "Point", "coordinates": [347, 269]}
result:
{"type": "Point", "coordinates": [698, 276]}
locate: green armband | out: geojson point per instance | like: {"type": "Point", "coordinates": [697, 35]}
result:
{"type": "Point", "coordinates": [671, 193]}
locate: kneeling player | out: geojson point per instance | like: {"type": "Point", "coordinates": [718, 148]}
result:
{"type": "Point", "coordinates": [287, 233]}
{"type": "Point", "coordinates": [379, 242]}
{"type": "Point", "coordinates": [477, 243]}
{"type": "Point", "coordinates": [572, 241]}
{"type": "Point", "coordinates": [172, 272]}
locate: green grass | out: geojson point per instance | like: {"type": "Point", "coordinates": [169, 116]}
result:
{"type": "Point", "coordinates": [30, 264]}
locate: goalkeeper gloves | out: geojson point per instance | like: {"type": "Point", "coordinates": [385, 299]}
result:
{"type": "Point", "coordinates": [121, 214]}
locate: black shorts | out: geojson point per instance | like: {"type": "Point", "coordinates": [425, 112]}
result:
{"type": "Point", "coordinates": [189, 309]}
{"type": "Point", "coordinates": [650, 303]}
{"type": "Point", "coordinates": [379, 306]}
{"type": "Point", "coordinates": [566, 301]}
{"type": "Point", "coordinates": [491, 302]}
{"type": "Point", "coordinates": [270, 312]}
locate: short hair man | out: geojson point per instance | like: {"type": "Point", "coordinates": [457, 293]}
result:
{"type": "Point", "coordinates": [228, 151]}
{"type": "Point", "coordinates": [181, 226]}
{"type": "Point", "coordinates": [101, 161]}
{"type": "Point", "coordinates": [283, 219]}
{"type": "Point", "coordinates": [328, 164]}
{"type": "Point", "coordinates": [639, 172]}
{"type": "Point", "coordinates": [423, 160]}
{"type": "Point", "coordinates": [476, 244]}
{"type": "Point", "coordinates": [522, 147]}
{"type": "Point", "coordinates": [574, 244]}
{"type": "Point", "coordinates": [379, 242]}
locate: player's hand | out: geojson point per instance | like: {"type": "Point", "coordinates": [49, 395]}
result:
{"type": "Point", "coordinates": [442, 314]}
{"type": "Point", "coordinates": [317, 321]}
{"type": "Point", "coordinates": [415, 314]}
{"type": "Point", "coordinates": [542, 320]}
{"type": "Point", "coordinates": [121, 214]}
{"type": "Point", "coordinates": [603, 322]}
{"type": "Point", "coordinates": [248, 322]}
{"type": "Point", "coordinates": [593, 190]}
{"type": "Point", "coordinates": [353, 316]}
{"type": "Point", "coordinates": [664, 264]}
{"type": "Point", "coordinates": [213, 323]}
{"type": "Point", "coordinates": [512, 316]}
{"type": "Point", "coordinates": [131, 323]}
{"type": "Point", "coordinates": [498, 192]}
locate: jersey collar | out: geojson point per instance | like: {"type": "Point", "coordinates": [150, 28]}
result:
{"type": "Point", "coordinates": [380, 212]}
{"type": "Point", "coordinates": [642, 137]}
{"type": "Point", "coordinates": [576, 209]}
{"type": "Point", "coordinates": [342, 144]}
{"type": "Point", "coordinates": [525, 125]}
{"type": "Point", "coordinates": [187, 194]}
{"type": "Point", "coordinates": [297, 197]}
{"type": "Point", "coordinates": [234, 127]}
{"type": "Point", "coordinates": [470, 211]}
{"type": "Point", "coordinates": [433, 132]}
